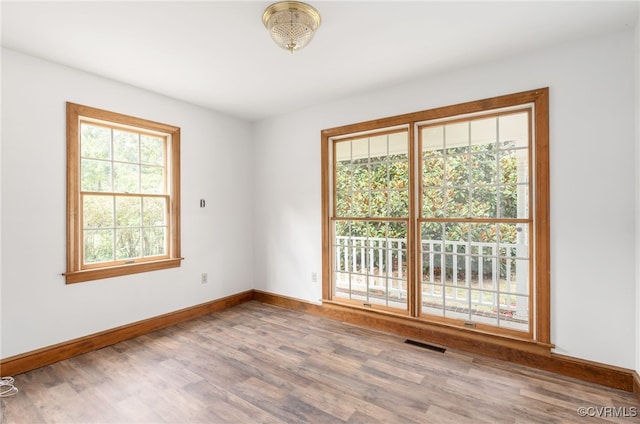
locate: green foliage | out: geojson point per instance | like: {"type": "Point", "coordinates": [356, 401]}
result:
{"type": "Point", "coordinates": [377, 189]}
{"type": "Point", "coordinates": [480, 181]}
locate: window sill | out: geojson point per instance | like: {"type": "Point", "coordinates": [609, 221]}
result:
{"type": "Point", "coordinates": [72, 277]}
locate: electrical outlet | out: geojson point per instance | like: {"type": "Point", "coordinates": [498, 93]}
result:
{"type": "Point", "coordinates": [203, 278]}
{"type": "Point", "coordinates": [314, 277]}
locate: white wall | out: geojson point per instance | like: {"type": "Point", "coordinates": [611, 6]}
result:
{"type": "Point", "coordinates": [592, 183]}
{"type": "Point", "coordinates": [38, 309]}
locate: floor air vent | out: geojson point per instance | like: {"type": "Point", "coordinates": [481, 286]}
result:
{"type": "Point", "coordinates": [426, 346]}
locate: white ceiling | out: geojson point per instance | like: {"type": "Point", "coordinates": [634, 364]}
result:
{"type": "Point", "coordinates": [218, 54]}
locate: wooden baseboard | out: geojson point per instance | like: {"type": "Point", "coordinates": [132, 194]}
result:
{"type": "Point", "coordinates": [593, 372]}
{"type": "Point", "coordinates": [527, 354]}
{"type": "Point", "coordinates": [58, 352]}
{"type": "Point", "coordinates": [508, 350]}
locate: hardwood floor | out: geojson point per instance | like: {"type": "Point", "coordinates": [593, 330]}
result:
{"type": "Point", "coordinates": [257, 363]}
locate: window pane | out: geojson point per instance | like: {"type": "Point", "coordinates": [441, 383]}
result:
{"type": "Point", "coordinates": [154, 210]}
{"type": "Point", "coordinates": [343, 176]}
{"type": "Point", "coordinates": [484, 307]}
{"type": "Point", "coordinates": [482, 234]}
{"type": "Point", "coordinates": [97, 211]}
{"type": "Point", "coordinates": [378, 149]}
{"type": "Point", "coordinates": [398, 203]}
{"type": "Point", "coordinates": [128, 243]}
{"type": "Point", "coordinates": [514, 201]}
{"type": "Point", "coordinates": [152, 179]}
{"type": "Point", "coordinates": [515, 313]}
{"type": "Point", "coordinates": [126, 178]}
{"type": "Point", "coordinates": [398, 145]}
{"type": "Point", "coordinates": [343, 152]}
{"type": "Point", "coordinates": [360, 150]}
{"type": "Point", "coordinates": [95, 141]}
{"type": "Point", "coordinates": [483, 134]}
{"type": "Point", "coordinates": [514, 130]}
{"type": "Point", "coordinates": [456, 138]}
{"type": "Point", "coordinates": [154, 241]}
{"type": "Point", "coordinates": [379, 174]}
{"type": "Point", "coordinates": [514, 166]}
{"type": "Point", "coordinates": [152, 150]}
{"type": "Point", "coordinates": [432, 236]}
{"type": "Point", "coordinates": [484, 202]}
{"type": "Point", "coordinates": [455, 232]}
{"type": "Point", "coordinates": [433, 205]}
{"type": "Point", "coordinates": [359, 229]}
{"type": "Point", "coordinates": [398, 174]}
{"type": "Point", "coordinates": [457, 170]}
{"type": "Point", "coordinates": [128, 212]}
{"type": "Point", "coordinates": [433, 138]}
{"type": "Point", "coordinates": [432, 169]}
{"type": "Point", "coordinates": [343, 204]}
{"type": "Point", "coordinates": [432, 231]}
{"type": "Point", "coordinates": [360, 204]}
{"type": "Point", "coordinates": [361, 177]}
{"type": "Point", "coordinates": [483, 168]}
{"type": "Point", "coordinates": [397, 230]}
{"type": "Point", "coordinates": [126, 146]}
{"type": "Point", "coordinates": [457, 202]}
{"type": "Point", "coordinates": [98, 246]}
{"type": "Point", "coordinates": [484, 272]}
{"type": "Point", "coordinates": [433, 297]}
{"type": "Point", "coordinates": [96, 175]}
{"type": "Point", "coordinates": [343, 228]}
{"type": "Point", "coordinates": [379, 203]}
{"type": "Point", "coordinates": [513, 240]}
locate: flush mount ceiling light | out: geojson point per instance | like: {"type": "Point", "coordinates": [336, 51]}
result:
{"type": "Point", "coordinates": [291, 24]}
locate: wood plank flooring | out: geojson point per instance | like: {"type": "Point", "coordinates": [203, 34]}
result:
{"type": "Point", "coordinates": [256, 363]}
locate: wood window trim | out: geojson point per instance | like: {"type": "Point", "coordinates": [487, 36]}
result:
{"type": "Point", "coordinates": [539, 98]}
{"type": "Point", "coordinates": [74, 272]}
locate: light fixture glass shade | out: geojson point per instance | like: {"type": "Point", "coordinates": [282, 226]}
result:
{"type": "Point", "coordinates": [291, 24]}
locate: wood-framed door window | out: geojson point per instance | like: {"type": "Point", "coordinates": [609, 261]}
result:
{"type": "Point", "coordinates": [370, 219]}
{"type": "Point", "coordinates": [442, 215]}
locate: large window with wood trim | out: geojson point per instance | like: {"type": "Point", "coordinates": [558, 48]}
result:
{"type": "Point", "coordinates": [442, 215]}
{"type": "Point", "coordinates": [123, 194]}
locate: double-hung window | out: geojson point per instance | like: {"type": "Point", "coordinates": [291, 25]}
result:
{"type": "Point", "coordinates": [371, 218]}
{"type": "Point", "coordinates": [475, 220]}
{"type": "Point", "coordinates": [442, 215]}
{"type": "Point", "coordinates": [123, 199]}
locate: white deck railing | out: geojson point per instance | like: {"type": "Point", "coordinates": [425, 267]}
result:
{"type": "Point", "coordinates": [378, 265]}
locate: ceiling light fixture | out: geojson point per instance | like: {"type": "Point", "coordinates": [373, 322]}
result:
{"type": "Point", "coordinates": [291, 24]}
